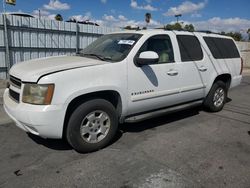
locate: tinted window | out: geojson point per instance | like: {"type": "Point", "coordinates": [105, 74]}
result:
{"type": "Point", "coordinates": [222, 48]}
{"type": "Point", "coordinates": [161, 44]}
{"type": "Point", "coordinates": [190, 48]}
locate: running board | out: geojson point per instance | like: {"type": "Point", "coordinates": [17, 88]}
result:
{"type": "Point", "coordinates": [142, 117]}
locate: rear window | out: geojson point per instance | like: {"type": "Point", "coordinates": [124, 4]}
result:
{"type": "Point", "coordinates": [222, 48]}
{"type": "Point", "coordinates": [190, 48]}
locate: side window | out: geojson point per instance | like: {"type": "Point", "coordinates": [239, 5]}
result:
{"type": "Point", "coordinates": [222, 48]}
{"type": "Point", "coordinates": [161, 44]}
{"type": "Point", "coordinates": [190, 48]}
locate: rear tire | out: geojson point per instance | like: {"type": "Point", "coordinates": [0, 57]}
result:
{"type": "Point", "coordinates": [92, 125]}
{"type": "Point", "coordinates": [216, 97]}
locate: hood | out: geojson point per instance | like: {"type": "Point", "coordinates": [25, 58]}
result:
{"type": "Point", "coordinates": [32, 70]}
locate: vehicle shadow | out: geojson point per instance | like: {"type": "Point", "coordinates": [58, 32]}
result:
{"type": "Point", "coordinates": [55, 144]}
{"type": "Point", "coordinates": [159, 121]}
{"type": "Point", "coordinates": [153, 123]}
{"type": "Point", "coordinates": [149, 72]}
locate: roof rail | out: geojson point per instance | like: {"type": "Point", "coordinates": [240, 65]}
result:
{"type": "Point", "coordinates": [166, 29]}
{"type": "Point", "coordinates": [201, 31]}
{"type": "Point", "coordinates": [208, 32]}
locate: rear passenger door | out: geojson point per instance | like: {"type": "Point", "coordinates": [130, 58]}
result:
{"type": "Point", "coordinates": [190, 56]}
{"type": "Point", "coordinates": [222, 57]}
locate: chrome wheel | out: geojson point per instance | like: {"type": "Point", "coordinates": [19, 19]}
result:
{"type": "Point", "coordinates": [219, 97]}
{"type": "Point", "coordinates": [95, 126]}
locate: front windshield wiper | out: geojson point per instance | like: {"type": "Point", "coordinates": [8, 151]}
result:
{"type": "Point", "coordinates": [98, 56]}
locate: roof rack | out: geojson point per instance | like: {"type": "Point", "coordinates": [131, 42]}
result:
{"type": "Point", "coordinates": [174, 29]}
{"type": "Point", "coordinates": [208, 32]}
{"type": "Point", "coordinates": [166, 29]}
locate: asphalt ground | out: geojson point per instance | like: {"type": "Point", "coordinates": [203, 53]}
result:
{"type": "Point", "coordinates": [190, 148]}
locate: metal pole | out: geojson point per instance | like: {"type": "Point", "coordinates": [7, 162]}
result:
{"type": "Point", "coordinates": [39, 14]}
{"type": "Point", "coordinates": [77, 37]}
{"type": "Point", "coordinates": [3, 6]}
{"type": "Point", "coordinates": [6, 43]}
{"type": "Point", "coordinates": [177, 17]}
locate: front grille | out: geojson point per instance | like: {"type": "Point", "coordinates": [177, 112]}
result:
{"type": "Point", "coordinates": [14, 95]}
{"type": "Point", "coordinates": [15, 88]}
{"type": "Point", "coordinates": [15, 82]}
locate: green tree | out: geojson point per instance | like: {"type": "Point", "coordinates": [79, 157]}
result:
{"type": "Point", "coordinates": [59, 17]}
{"type": "Point", "coordinates": [176, 26]}
{"type": "Point", "coordinates": [128, 27]}
{"type": "Point", "coordinates": [235, 35]}
{"type": "Point", "coordinates": [168, 27]}
{"type": "Point", "coordinates": [189, 27]}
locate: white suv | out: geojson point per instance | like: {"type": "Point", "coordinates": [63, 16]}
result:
{"type": "Point", "coordinates": [121, 77]}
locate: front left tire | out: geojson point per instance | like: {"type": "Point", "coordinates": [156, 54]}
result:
{"type": "Point", "coordinates": [92, 126]}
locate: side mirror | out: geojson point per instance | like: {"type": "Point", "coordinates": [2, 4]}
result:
{"type": "Point", "coordinates": [148, 57]}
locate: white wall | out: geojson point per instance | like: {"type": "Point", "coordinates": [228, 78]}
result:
{"type": "Point", "coordinates": [31, 38]}
{"type": "Point", "coordinates": [245, 52]}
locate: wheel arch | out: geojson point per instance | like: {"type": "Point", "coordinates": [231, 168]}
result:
{"type": "Point", "coordinates": [226, 78]}
{"type": "Point", "coordinates": [112, 96]}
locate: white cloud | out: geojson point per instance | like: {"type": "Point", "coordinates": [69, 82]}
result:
{"type": "Point", "coordinates": [109, 18]}
{"type": "Point", "coordinates": [104, 1]}
{"type": "Point", "coordinates": [215, 24]}
{"type": "Point", "coordinates": [122, 21]}
{"type": "Point", "coordinates": [122, 18]}
{"type": "Point", "coordinates": [41, 12]}
{"type": "Point", "coordinates": [186, 7]}
{"type": "Point", "coordinates": [196, 15]}
{"type": "Point", "coordinates": [51, 16]}
{"type": "Point", "coordinates": [56, 5]}
{"type": "Point", "coordinates": [148, 7]}
{"type": "Point", "coordinates": [44, 14]}
{"type": "Point", "coordinates": [119, 21]}
{"type": "Point", "coordinates": [218, 24]}
{"type": "Point", "coordinates": [133, 23]}
{"type": "Point", "coordinates": [86, 16]}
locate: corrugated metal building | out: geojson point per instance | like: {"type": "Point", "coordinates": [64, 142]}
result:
{"type": "Point", "coordinates": [26, 38]}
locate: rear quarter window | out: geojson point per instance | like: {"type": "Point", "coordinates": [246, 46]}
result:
{"type": "Point", "coordinates": [222, 48]}
{"type": "Point", "coordinates": [190, 48]}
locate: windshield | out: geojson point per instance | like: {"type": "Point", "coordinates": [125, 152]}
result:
{"type": "Point", "coordinates": [112, 47]}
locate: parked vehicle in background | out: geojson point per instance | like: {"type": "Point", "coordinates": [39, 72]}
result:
{"type": "Point", "coordinates": [121, 77]}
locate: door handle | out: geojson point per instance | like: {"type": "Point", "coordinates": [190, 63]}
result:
{"type": "Point", "coordinates": [172, 73]}
{"type": "Point", "coordinates": [202, 69]}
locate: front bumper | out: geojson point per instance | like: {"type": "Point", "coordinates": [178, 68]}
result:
{"type": "Point", "coordinates": [45, 121]}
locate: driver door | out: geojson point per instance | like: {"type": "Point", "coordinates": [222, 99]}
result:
{"type": "Point", "coordinates": [155, 85]}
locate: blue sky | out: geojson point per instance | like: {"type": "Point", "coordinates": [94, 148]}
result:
{"type": "Point", "coordinates": [217, 15]}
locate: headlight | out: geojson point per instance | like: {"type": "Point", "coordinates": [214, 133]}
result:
{"type": "Point", "coordinates": [38, 93]}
